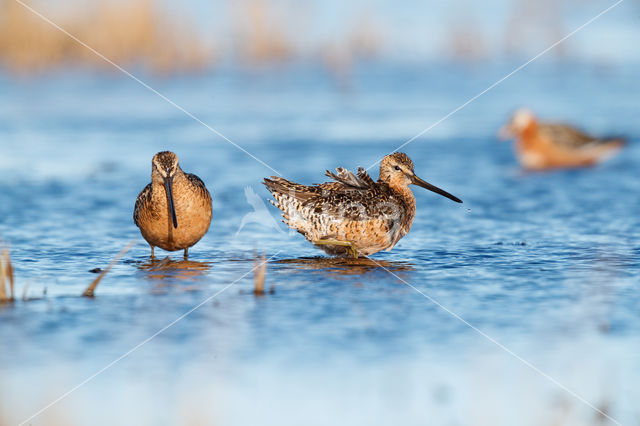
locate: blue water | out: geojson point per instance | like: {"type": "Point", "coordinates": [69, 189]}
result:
{"type": "Point", "coordinates": [545, 264]}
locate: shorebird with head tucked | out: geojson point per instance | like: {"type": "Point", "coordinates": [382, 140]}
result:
{"type": "Point", "coordinates": [354, 215]}
{"type": "Point", "coordinates": [543, 146]}
{"type": "Point", "coordinates": [174, 211]}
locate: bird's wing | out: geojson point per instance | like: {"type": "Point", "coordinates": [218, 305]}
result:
{"type": "Point", "coordinates": [143, 197]}
{"type": "Point", "coordinates": [195, 180]}
{"type": "Point", "coordinates": [566, 135]}
{"type": "Point", "coordinates": [198, 183]}
{"type": "Point", "coordinates": [360, 181]}
{"type": "Point", "coordinates": [365, 178]}
{"type": "Point", "coordinates": [356, 204]}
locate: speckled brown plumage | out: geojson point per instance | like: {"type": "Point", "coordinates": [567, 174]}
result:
{"type": "Point", "coordinates": [543, 146]}
{"type": "Point", "coordinates": [191, 202]}
{"type": "Point", "coordinates": [371, 216]}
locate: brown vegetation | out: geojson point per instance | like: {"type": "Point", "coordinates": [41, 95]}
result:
{"type": "Point", "coordinates": [260, 34]}
{"type": "Point", "coordinates": [127, 33]}
{"type": "Point", "coordinates": [6, 277]}
{"type": "Point", "coordinates": [146, 34]}
{"type": "Point", "coordinates": [142, 33]}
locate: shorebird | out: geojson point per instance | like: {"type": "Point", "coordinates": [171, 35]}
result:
{"type": "Point", "coordinates": [543, 146]}
{"type": "Point", "coordinates": [174, 211]}
{"type": "Point", "coordinates": [355, 215]}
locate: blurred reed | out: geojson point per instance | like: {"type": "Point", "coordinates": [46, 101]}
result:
{"type": "Point", "coordinates": [528, 28]}
{"type": "Point", "coordinates": [532, 26]}
{"type": "Point", "coordinates": [149, 34]}
{"type": "Point", "coordinates": [261, 33]}
{"type": "Point", "coordinates": [137, 32]}
{"type": "Point", "coordinates": [144, 34]}
{"type": "Point", "coordinates": [466, 42]}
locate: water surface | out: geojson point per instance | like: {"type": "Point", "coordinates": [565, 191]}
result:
{"type": "Point", "coordinates": [544, 264]}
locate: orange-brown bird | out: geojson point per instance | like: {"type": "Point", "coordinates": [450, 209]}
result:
{"type": "Point", "coordinates": [174, 211]}
{"type": "Point", "coordinates": [544, 146]}
{"type": "Point", "coordinates": [354, 215]}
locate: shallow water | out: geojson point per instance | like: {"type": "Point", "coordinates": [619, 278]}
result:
{"type": "Point", "coordinates": [545, 264]}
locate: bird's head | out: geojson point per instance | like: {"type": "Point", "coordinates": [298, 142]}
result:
{"type": "Point", "coordinates": [165, 163]}
{"type": "Point", "coordinates": [397, 171]}
{"type": "Point", "coordinates": [164, 168]}
{"type": "Point", "coordinates": [518, 123]}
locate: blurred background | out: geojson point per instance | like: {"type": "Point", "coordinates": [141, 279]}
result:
{"type": "Point", "coordinates": [545, 263]}
{"type": "Point", "coordinates": [198, 36]}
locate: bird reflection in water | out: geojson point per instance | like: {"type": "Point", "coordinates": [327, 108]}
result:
{"type": "Point", "coordinates": [168, 272]}
{"type": "Point", "coordinates": [340, 266]}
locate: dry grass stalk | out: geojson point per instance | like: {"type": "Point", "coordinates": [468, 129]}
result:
{"type": "Point", "coordinates": [259, 274]}
{"type": "Point", "coordinates": [3, 290]}
{"type": "Point", "coordinates": [6, 274]}
{"type": "Point", "coordinates": [9, 268]}
{"type": "Point", "coordinates": [89, 292]}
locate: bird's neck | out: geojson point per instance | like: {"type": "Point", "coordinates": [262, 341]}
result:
{"type": "Point", "coordinates": [403, 191]}
{"type": "Point", "coordinates": [528, 134]}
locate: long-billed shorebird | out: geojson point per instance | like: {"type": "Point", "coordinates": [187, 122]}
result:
{"type": "Point", "coordinates": [543, 146]}
{"type": "Point", "coordinates": [354, 215]}
{"type": "Point", "coordinates": [174, 211]}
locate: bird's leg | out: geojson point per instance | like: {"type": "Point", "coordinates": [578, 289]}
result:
{"type": "Point", "coordinates": [351, 247]}
{"type": "Point", "coordinates": [152, 256]}
{"type": "Point", "coordinates": [186, 255]}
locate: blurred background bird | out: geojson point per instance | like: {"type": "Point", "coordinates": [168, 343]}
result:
{"type": "Point", "coordinates": [543, 146]}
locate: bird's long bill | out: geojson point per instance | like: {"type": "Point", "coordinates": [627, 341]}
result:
{"type": "Point", "coordinates": [168, 186]}
{"type": "Point", "coordinates": [417, 181]}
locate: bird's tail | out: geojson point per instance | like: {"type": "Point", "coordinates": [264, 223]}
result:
{"type": "Point", "coordinates": [614, 141]}
{"type": "Point", "coordinates": [289, 197]}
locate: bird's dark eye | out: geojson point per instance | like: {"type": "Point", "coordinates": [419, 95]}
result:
{"type": "Point", "coordinates": [397, 167]}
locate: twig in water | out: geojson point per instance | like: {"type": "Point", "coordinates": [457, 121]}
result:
{"type": "Point", "coordinates": [259, 274]}
{"type": "Point", "coordinates": [89, 292]}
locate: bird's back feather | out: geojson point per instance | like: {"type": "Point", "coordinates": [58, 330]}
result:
{"type": "Point", "coordinates": [570, 137]}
